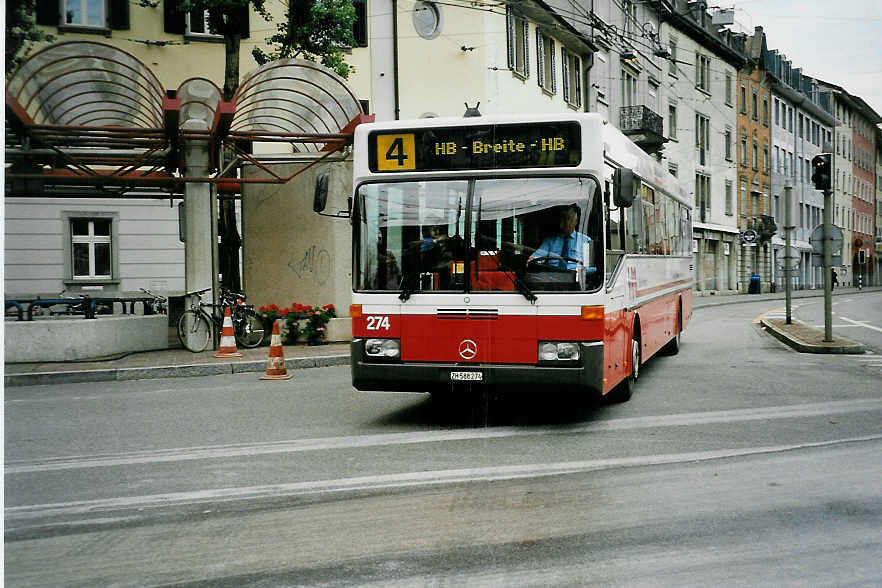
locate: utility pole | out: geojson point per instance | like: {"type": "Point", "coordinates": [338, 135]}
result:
{"type": "Point", "coordinates": [788, 227]}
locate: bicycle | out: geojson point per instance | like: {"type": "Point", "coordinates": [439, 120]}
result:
{"type": "Point", "coordinates": [194, 326]}
{"type": "Point", "coordinates": [160, 303]}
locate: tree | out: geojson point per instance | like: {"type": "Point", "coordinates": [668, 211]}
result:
{"type": "Point", "coordinates": [317, 30]}
{"type": "Point", "coordinates": [21, 31]}
{"type": "Point", "coordinates": [314, 29]}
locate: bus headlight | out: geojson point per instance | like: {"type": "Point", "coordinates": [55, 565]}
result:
{"type": "Point", "coordinates": [383, 348]}
{"type": "Point", "coordinates": [558, 351]}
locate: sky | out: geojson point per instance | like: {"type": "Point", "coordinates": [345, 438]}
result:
{"type": "Point", "coordinates": [837, 41]}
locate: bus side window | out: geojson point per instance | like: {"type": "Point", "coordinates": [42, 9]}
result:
{"type": "Point", "coordinates": [634, 227]}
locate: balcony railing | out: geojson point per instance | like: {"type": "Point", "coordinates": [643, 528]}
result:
{"type": "Point", "coordinates": [645, 127]}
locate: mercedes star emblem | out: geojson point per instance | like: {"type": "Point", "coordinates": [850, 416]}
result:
{"type": "Point", "coordinates": [468, 349]}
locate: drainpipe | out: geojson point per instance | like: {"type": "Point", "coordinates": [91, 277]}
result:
{"type": "Point", "coordinates": [395, 57]}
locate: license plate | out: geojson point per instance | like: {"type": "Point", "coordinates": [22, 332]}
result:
{"type": "Point", "coordinates": [467, 376]}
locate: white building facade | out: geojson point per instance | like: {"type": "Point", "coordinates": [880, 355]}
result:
{"type": "Point", "coordinates": [802, 125]}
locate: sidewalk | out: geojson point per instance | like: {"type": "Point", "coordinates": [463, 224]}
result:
{"type": "Point", "coordinates": [168, 363]}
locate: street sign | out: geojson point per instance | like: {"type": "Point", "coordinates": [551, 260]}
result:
{"type": "Point", "coordinates": [794, 258]}
{"type": "Point", "coordinates": [817, 239]}
{"type": "Point", "coordinates": [748, 236]}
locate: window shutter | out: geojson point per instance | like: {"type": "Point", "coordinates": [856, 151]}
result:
{"type": "Point", "coordinates": [47, 12]}
{"type": "Point", "coordinates": [510, 30]}
{"type": "Point", "coordinates": [174, 19]}
{"type": "Point", "coordinates": [525, 33]}
{"type": "Point", "coordinates": [553, 69]}
{"type": "Point", "coordinates": [241, 16]}
{"type": "Point", "coordinates": [565, 71]}
{"type": "Point", "coordinates": [540, 59]}
{"type": "Point", "coordinates": [119, 14]}
{"type": "Point", "coordinates": [577, 79]}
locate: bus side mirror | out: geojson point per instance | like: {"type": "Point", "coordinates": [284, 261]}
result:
{"type": "Point", "coordinates": [624, 186]}
{"type": "Point", "coordinates": [320, 197]}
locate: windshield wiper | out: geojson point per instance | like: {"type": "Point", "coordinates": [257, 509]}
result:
{"type": "Point", "coordinates": [519, 284]}
{"type": "Point", "coordinates": [408, 286]}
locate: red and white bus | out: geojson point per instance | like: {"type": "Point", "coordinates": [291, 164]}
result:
{"type": "Point", "coordinates": [542, 252]}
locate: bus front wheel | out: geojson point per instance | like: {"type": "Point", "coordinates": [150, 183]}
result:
{"type": "Point", "coordinates": [625, 389]}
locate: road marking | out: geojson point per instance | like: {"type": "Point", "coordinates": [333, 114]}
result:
{"type": "Point", "coordinates": [391, 439]}
{"type": "Point", "coordinates": [399, 480]}
{"type": "Point", "coordinates": [861, 324]}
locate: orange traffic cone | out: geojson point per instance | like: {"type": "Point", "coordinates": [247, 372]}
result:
{"type": "Point", "coordinates": [275, 367]}
{"type": "Point", "coordinates": [228, 338]}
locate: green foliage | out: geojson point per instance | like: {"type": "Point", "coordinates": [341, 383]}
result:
{"type": "Point", "coordinates": [317, 30]}
{"type": "Point", "coordinates": [21, 31]}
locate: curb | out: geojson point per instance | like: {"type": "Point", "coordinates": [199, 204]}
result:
{"type": "Point", "coordinates": [169, 371]}
{"type": "Point", "coordinates": [840, 346]}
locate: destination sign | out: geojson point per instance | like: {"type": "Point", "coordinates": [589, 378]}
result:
{"type": "Point", "coordinates": [505, 146]}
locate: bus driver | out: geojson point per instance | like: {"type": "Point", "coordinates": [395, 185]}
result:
{"type": "Point", "coordinates": [563, 249]}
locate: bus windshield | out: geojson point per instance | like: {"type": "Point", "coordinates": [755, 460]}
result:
{"type": "Point", "coordinates": [480, 235]}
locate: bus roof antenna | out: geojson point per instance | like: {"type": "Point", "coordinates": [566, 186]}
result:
{"type": "Point", "coordinates": [472, 110]}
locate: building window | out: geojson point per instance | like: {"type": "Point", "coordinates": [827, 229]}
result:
{"type": "Point", "coordinates": [765, 111]}
{"type": "Point", "coordinates": [90, 247]}
{"type": "Point", "coordinates": [197, 23]}
{"type": "Point", "coordinates": [673, 168]}
{"type": "Point", "coordinates": [629, 88]}
{"type": "Point", "coordinates": [702, 195]}
{"type": "Point", "coordinates": [743, 100]}
{"type": "Point", "coordinates": [755, 155]}
{"type": "Point", "coordinates": [572, 77]}
{"type": "Point", "coordinates": [87, 13]}
{"type": "Point", "coordinates": [518, 53]}
{"type": "Point", "coordinates": [777, 113]}
{"type": "Point", "coordinates": [702, 138]}
{"type": "Point", "coordinates": [766, 164]}
{"type": "Point", "coordinates": [545, 62]}
{"type": "Point", "coordinates": [426, 19]}
{"type": "Point", "coordinates": [672, 64]}
{"type": "Point", "coordinates": [672, 121]}
{"type": "Point", "coordinates": [729, 89]}
{"type": "Point", "coordinates": [702, 72]}
{"type": "Point", "coordinates": [728, 197]}
{"type": "Point", "coordinates": [727, 138]}
{"type": "Point", "coordinates": [744, 150]}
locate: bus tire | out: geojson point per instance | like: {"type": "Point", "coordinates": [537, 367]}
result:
{"type": "Point", "coordinates": [625, 390]}
{"type": "Point", "coordinates": [672, 347]}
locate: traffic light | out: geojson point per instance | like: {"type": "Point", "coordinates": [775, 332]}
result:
{"type": "Point", "coordinates": [821, 171]}
{"type": "Point", "coordinates": [862, 257]}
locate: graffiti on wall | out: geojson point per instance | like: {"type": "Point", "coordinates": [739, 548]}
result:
{"type": "Point", "coordinates": [314, 264]}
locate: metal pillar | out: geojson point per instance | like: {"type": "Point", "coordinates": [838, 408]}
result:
{"type": "Point", "coordinates": [200, 205]}
{"type": "Point", "coordinates": [788, 251]}
{"type": "Point", "coordinates": [828, 264]}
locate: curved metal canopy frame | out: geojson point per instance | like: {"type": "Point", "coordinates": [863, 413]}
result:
{"type": "Point", "coordinates": [88, 84]}
{"type": "Point", "coordinates": [85, 113]}
{"type": "Point", "coordinates": [292, 98]}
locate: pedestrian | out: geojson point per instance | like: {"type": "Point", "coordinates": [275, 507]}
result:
{"type": "Point", "coordinates": [835, 281]}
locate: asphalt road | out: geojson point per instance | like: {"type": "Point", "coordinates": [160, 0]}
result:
{"type": "Point", "coordinates": [737, 462]}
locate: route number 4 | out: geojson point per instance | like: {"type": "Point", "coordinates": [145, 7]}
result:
{"type": "Point", "coordinates": [396, 152]}
{"type": "Point", "coordinates": [375, 323]}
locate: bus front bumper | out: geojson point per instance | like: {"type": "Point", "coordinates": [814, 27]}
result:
{"type": "Point", "coordinates": [586, 375]}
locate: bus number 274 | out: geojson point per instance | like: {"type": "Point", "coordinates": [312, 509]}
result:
{"type": "Point", "coordinates": [376, 323]}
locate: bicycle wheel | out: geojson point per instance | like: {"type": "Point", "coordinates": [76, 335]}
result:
{"type": "Point", "coordinates": [248, 328]}
{"type": "Point", "coordinates": [194, 331]}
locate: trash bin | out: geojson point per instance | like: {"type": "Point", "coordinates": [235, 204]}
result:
{"type": "Point", "coordinates": [754, 287]}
